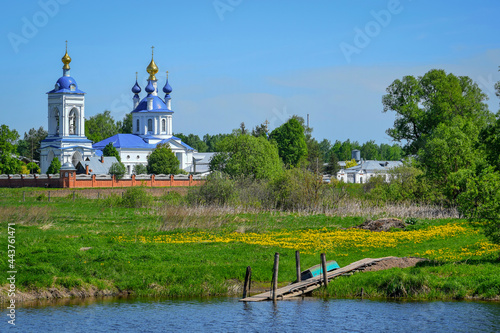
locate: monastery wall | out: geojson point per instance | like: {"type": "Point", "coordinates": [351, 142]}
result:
{"type": "Point", "coordinates": [71, 180]}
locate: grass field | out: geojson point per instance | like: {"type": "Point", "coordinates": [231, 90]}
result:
{"type": "Point", "coordinates": [167, 249]}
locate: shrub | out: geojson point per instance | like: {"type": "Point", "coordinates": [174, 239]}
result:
{"type": "Point", "coordinates": [33, 167]}
{"type": "Point", "coordinates": [140, 169]}
{"type": "Point", "coordinates": [117, 169]}
{"type": "Point", "coordinates": [172, 198]}
{"type": "Point", "coordinates": [163, 161]}
{"type": "Point", "coordinates": [54, 166]}
{"type": "Point", "coordinates": [136, 197]}
{"type": "Point", "coordinates": [217, 189]}
{"type": "Point", "coordinates": [297, 189]}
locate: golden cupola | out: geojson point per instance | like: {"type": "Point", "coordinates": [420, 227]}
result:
{"type": "Point", "coordinates": [152, 69]}
{"type": "Point", "coordinates": [66, 59]}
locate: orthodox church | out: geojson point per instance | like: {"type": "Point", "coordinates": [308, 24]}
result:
{"type": "Point", "coordinates": [151, 120]}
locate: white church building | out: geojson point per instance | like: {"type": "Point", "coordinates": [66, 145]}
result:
{"type": "Point", "coordinates": [151, 120]}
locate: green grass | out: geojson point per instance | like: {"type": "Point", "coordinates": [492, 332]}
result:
{"type": "Point", "coordinates": [49, 236]}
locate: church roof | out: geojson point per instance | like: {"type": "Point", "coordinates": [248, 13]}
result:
{"type": "Point", "coordinates": [66, 84]}
{"type": "Point", "coordinates": [374, 166]}
{"type": "Point", "coordinates": [134, 141]}
{"type": "Point", "coordinates": [97, 165]}
{"type": "Point", "coordinates": [158, 105]}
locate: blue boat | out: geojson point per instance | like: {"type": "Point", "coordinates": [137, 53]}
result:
{"type": "Point", "coordinates": [318, 270]}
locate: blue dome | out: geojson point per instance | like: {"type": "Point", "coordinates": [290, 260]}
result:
{"type": "Point", "coordinates": [150, 88]}
{"type": "Point", "coordinates": [167, 89]}
{"type": "Point", "coordinates": [66, 84]}
{"type": "Point", "coordinates": [158, 105]}
{"type": "Point", "coordinates": [136, 89]}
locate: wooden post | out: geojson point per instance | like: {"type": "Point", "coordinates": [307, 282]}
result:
{"type": "Point", "coordinates": [73, 196]}
{"type": "Point", "coordinates": [248, 280]}
{"type": "Point", "coordinates": [275, 274]}
{"type": "Point", "coordinates": [362, 292]}
{"type": "Point", "coordinates": [98, 195]}
{"type": "Point", "coordinates": [49, 196]}
{"type": "Point", "coordinates": [24, 196]}
{"type": "Point", "coordinates": [325, 272]}
{"type": "Point", "coordinates": [297, 265]}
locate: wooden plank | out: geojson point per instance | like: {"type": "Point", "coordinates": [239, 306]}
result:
{"type": "Point", "coordinates": [306, 286]}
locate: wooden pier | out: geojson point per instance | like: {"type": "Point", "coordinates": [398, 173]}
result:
{"type": "Point", "coordinates": [303, 287]}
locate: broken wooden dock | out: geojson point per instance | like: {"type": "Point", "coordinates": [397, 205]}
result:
{"type": "Point", "coordinates": [306, 286]}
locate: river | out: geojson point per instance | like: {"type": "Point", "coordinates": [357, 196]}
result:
{"type": "Point", "coordinates": [229, 315]}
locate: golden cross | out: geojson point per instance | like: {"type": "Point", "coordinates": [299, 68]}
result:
{"type": "Point", "coordinates": [152, 50]}
{"type": "Point", "coordinates": [167, 75]}
{"type": "Point", "coordinates": [66, 46]}
{"type": "Point", "coordinates": [136, 75]}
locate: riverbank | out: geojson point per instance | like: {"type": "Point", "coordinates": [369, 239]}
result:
{"type": "Point", "coordinates": [98, 247]}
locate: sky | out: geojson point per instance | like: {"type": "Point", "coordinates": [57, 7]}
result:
{"type": "Point", "coordinates": [233, 61]}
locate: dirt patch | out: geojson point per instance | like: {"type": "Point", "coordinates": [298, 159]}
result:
{"type": "Point", "coordinates": [394, 262]}
{"type": "Point", "coordinates": [382, 224]}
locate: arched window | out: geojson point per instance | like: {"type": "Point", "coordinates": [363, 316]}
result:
{"type": "Point", "coordinates": [56, 116]}
{"type": "Point", "coordinates": [150, 125]}
{"type": "Point", "coordinates": [50, 156]}
{"type": "Point", "coordinates": [163, 125]}
{"type": "Point", "coordinates": [77, 157]}
{"type": "Point", "coordinates": [137, 125]}
{"type": "Point", "coordinates": [72, 122]}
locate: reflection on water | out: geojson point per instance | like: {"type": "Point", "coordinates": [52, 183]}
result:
{"type": "Point", "coordinates": [229, 315]}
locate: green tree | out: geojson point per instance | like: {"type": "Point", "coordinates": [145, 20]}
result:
{"type": "Point", "coordinates": [212, 141]}
{"type": "Point", "coordinates": [140, 169]}
{"type": "Point", "coordinates": [490, 140]}
{"type": "Point", "coordinates": [54, 167]}
{"type": "Point", "coordinates": [324, 147]}
{"type": "Point", "coordinates": [100, 127]}
{"type": "Point", "coordinates": [422, 103]}
{"type": "Point", "coordinates": [117, 169]}
{"type": "Point", "coordinates": [314, 156]}
{"type": "Point", "coordinates": [193, 141]}
{"type": "Point", "coordinates": [350, 163]}
{"type": "Point", "coordinates": [480, 202]}
{"type": "Point", "coordinates": [333, 165]}
{"type": "Point", "coordinates": [33, 168]}
{"type": "Point", "coordinates": [370, 151]}
{"type": "Point", "coordinates": [30, 145]}
{"type": "Point", "coordinates": [246, 155]}
{"type": "Point", "coordinates": [261, 130]}
{"type": "Point", "coordinates": [9, 164]}
{"type": "Point", "coordinates": [291, 142]}
{"type": "Point", "coordinates": [163, 161]}
{"type": "Point", "coordinates": [110, 150]}
{"type": "Point", "coordinates": [448, 152]}
{"type": "Point", "coordinates": [125, 126]}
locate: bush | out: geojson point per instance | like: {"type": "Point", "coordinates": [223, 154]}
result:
{"type": "Point", "coordinates": [163, 161]}
{"type": "Point", "coordinates": [33, 167]}
{"type": "Point", "coordinates": [298, 189]}
{"type": "Point", "coordinates": [136, 197]}
{"type": "Point", "coordinates": [54, 166]}
{"type": "Point", "coordinates": [117, 169]}
{"type": "Point", "coordinates": [140, 169]}
{"type": "Point", "coordinates": [217, 189]}
{"type": "Point", "coordinates": [172, 198]}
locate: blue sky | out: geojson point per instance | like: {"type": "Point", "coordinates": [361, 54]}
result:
{"type": "Point", "coordinates": [233, 61]}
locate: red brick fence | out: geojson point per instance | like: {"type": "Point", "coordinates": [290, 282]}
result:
{"type": "Point", "coordinates": [69, 179]}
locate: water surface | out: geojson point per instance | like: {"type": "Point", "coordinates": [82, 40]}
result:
{"type": "Point", "coordinates": [229, 315]}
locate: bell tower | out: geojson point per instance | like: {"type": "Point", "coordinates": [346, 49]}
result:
{"type": "Point", "coordinates": [66, 122]}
